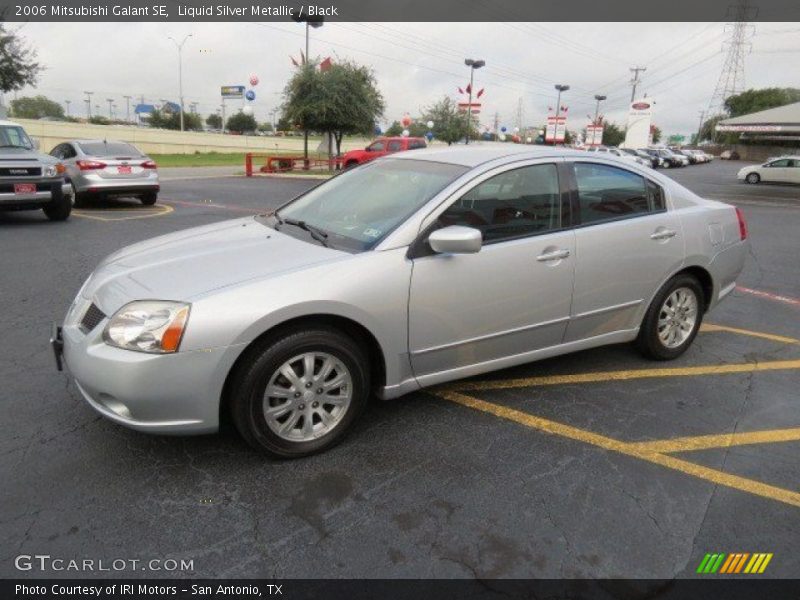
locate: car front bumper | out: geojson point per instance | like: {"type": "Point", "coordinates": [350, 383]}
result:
{"type": "Point", "coordinates": [38, 199]}
{"type": "Point", "coordinates": [158, 393]}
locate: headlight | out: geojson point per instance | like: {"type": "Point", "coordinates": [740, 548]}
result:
{"type": "Point", "coordinates": [148, 326]}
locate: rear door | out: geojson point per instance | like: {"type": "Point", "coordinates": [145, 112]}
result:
{"type": "Point", "coordinates": [627, 243]}
{"type": "Point", "coordinates": [511, 297]}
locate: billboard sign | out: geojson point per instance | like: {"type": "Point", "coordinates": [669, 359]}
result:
{"type": "Point", "coordinates": [232, 91]}
{"type": "Point", "coordinates": [556, 129]}
{"type": "Point", "coordinates": [640, 116]}
{"type": "Point", "coordinates": [594, 135]}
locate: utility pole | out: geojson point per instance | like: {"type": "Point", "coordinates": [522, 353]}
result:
{"type": "Point", "coordinates": [520, 115]}
{"type": "Point", "coordinates": [128, 108]}
{"type": "Point", "coordinates": [88, 105]}
{"type": "Point", "coordinates": [179, 46]}
{"type": "Point", "coordinates": [635, 80]}
{"type": "Point", "coordinates": [496, 124]}
{"type": "Point", "coordinates": [700, 126]}
{"type": "Point", "coordinates": [110, 102]}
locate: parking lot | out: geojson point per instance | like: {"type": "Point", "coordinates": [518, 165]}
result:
{"type": "Point", "coordinates": [597, 464]}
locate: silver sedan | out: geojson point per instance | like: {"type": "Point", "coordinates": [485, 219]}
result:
{"type": "Point", "coordinates": [103, 168]}
{"type": "Point", "coordinates": [409, 271]}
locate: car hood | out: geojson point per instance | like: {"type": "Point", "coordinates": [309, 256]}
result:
{"type": "Point", "coordinates": [26, 155]}
{"type": "Point", "coordinates": [187, 264]}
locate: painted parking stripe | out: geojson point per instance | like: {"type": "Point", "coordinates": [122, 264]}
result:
{"type": "Point", "coordinates": [210, 204]}
{"type": "Point", "coordinates": [601, 376]}
{"type": "Point", "coordinates": [588, 437]}
{"type": "Point", "coordinates": [724, 440]}
{"type": "Point", "coordinates": [710, 327]}
{"type": "Point", "coordinates": [160, 211]}
{"type": "Point", "coordinates": [769, 296]}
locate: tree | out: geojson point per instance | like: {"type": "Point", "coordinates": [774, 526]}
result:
{"type": "Point", "coordinates": [167, 119]}
{"type": "Point", "coordinates": [265, 127]}
{"type": "Point", "coordinates": [613, 134]}
{"type": "Point", "coordinates": [241, 123]}
{"type": "Point", "coordinates": [656, 131]}
{"type": "Point", "coordinates": [18, 66]}
{"type": "Point", "coordinates": [284, 124]}
{"type": "Point", "coordinates": [214, 121]}
{"type": "Point", "coordinates": [343, 100]}
{"type": "Point", "coordinates": [36, 107]}
{"type": "Point", "coordinates": [395, 129]}
{"type": "Point", "coordinates": [752, 101]}
{"type": "Point", "coordinates": [449, 124]}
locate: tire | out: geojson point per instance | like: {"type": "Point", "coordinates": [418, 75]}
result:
{"type": "Point", "coordinates": [350, 164]}
{"type": "Point", "coordinates": [79, 199]}
{"type": "Point", "coordinates": [59, 209]}
{"type": "Point", "coordinates": [286, 434]}
{"type": "Point", "coordinates": [149, 198]}
{"type": "Point", "coordinates": [753, 178]}
{"type": "Point", "coordinates": [654, 345]}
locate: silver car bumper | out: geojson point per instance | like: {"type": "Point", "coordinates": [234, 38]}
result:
{"type": "Point", "coordinates": [170, 393]}
{"type": "Point", "coordinates": [94, 183]}
{"type": "Point", "coordinates": [40, 197]}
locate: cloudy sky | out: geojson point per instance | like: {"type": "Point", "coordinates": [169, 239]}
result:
{"type": "Point", "coordinates": [415, 63]}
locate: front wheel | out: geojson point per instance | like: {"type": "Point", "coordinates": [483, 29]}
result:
{"type": "Point", "coordinates": [672, 320]}
{"type": "Point", "coordinates": [752, 178]}
{"type": "Point", "coordinates": [59, 209]}
{"type": "Point", "coordinates": [298, 394]}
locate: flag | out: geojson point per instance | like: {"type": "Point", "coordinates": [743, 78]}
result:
{"type": "Point", "coordinates": [469, 88]}
{"type": "Point", "coordinates": [564, 108]}
{"type": "Point", "coordinates": [294, 62]}
{"type": "Point", "coordinates": [325, 65]}
{"type": "Point", "coordinates": [460, 91]}
{"type": "Point", "coordinates": [480, 93]}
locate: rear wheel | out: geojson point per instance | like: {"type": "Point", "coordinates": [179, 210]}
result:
{"type": "Point", "coordinates": [59, 209]}
{"type": "Point", "coordinates": [298, 394]}
{"type": "Point", "coordinates": [673, 319]}
{"type": "Point", "coordinates": [149, 198]}
{"type": "Point", "coordinates": [752, 178]}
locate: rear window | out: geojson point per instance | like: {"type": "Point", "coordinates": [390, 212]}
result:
{"type": "Point", "coordinates": [109, 149]}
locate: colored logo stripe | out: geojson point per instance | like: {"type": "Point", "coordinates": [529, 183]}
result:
{"type": "Point", "coordinates": [734, 563]}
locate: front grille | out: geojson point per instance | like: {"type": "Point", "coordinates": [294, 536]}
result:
{"type": "Point", "coordinates": [20, 171]}
{"type": "Point", "coordinates": [91, 318]}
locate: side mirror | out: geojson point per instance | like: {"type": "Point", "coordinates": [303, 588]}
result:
{"type": "Point", "coordinates": [456, 239]}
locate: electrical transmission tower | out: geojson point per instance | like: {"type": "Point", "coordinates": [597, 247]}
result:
{"type": "Point", "coordinates": [731, 79]}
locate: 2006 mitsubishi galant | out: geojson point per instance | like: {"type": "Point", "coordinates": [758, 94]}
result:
{"type": "Point", "coordinates": [409, 271]}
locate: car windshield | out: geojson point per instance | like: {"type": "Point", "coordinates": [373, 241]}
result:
{"type": "Point", "coordinates": [109, 149]}
{"type": "Point", "coordinates": [359, 208]}
{"type": "Point", "coordinates": [14, 137]}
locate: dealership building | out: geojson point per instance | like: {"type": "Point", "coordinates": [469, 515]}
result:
{"type": "Point", "coordinates": [781, 124]}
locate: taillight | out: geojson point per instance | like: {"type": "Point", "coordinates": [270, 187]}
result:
{"type": "Point", "coordinates": [149, 164]}
{"type": "Point", "coordinates": [90, 165]}
{"type": "Point", "coordinates": [742, 224]}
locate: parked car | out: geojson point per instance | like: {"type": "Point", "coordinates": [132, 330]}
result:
{"type": "Point", "coordinates": [653, 161]}
{"type": "Point", "coordinates": [618, 152]}
{"type": "Point", "coordinates": [690, 158]}
{"type": "Point", "coordinates": [102, 169]}
{"type": "Point", "coordinates": [408, 272]}
{"type": "Point", "coordinates": [669, 159]}
{"type": "Point", "coordinates": [729, 155]}
{"type": "Point", "coordinates": [382, 147]}
{"type": "Point", "coordinates": [785, 169]}
{"type": "Point", "coordinates": [30, 180]}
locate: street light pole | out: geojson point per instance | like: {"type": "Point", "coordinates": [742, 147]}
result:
{"type": "Point", "coordinates": [472, 64]}
{"type": "Point", "coordinates": [88, 105]}
{"type": "Point", "coordinates": [560, 88]}
{"type": "Point", "coordinates": [179, 46]}
{"type": "Point", "coordinates": [128, 108]}
{"type": "Point", "coordinates": [315, 22]}
{"type": "Point", "coordinates": [67, 103]}
{"type": "Point", "coordinates": [110, 102]}
{"type": "Point", "coordinates": [700, 127]}
{"type": "Point", "coordinates": [599, 99]}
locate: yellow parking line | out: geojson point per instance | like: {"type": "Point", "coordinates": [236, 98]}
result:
{"type": "Point", "coordinates": [162, 210]}
{"type": "Point", "coordinates": [712, 475]}
{"type": "Point", "coordinates": [710, 327]}
{"type": "Point", "coordinates": [723, 440]}
{"type": "Point", "coordinates": [600, 376]}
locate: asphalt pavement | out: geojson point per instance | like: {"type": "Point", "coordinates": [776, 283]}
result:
{"type": "Point", "coordinates": [597, 464]}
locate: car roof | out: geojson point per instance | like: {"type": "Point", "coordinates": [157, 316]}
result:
{"type": "Point", "coordinates": [475, 154]}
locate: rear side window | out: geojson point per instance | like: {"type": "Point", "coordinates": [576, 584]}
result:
{"type": "Point", "coordinates": [109, 149]}
{"type": "Point", "coordinates": [606, 193]}
{"type": "Point", "coordinates": [394, 146]}
{"type": "Point", "coordinates": [414, 144]}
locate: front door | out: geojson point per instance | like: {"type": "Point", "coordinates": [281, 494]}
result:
{"type": "Point", "coordinates": [511, 297]}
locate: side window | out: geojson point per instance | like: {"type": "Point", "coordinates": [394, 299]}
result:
{"type": "Point", "coordinates": [606, 193]}
{"type": "Point", "coordinates": [793, 163]}
{"type": "Point", "coordinates": [414, 144]}
{"type": "Point", "coordinates": [779, 163]}
{"type": "Point", "coordinates": [516, 203]}
{"type": "Point", "coordinates": [655, 197]}
{"type": "Point", "coordinates": [375, 147]}
{"type": "Point", "coordinates": [395, 146]}
{"type": "Point", "coordinates": [58, 151]}
{"type": "Point", "coordinates": [68, 151]}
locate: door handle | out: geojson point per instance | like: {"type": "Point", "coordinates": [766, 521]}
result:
{"type": "Point", "coordinates": [664, 234]}
{"type": "Point", "coordinates": [555, 255]}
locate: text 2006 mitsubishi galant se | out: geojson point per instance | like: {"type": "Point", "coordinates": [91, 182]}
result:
{"type": "Point", "coordinates": [408, 271]}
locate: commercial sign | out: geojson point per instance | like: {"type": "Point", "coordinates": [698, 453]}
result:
{"type": "Point", "coordinates": [556, 129]}
{"type": "Point", "coordinates": [232, 91]}
{"type": "Point", "coordinates": [753, 128]}
{"type": "Point", "coordinates": [640, 115]}
{"type": "Point", "coordinates": [594, 135]}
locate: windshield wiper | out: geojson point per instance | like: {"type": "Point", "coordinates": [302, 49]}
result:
{"type": "Point", "coordinates": [318, 234]}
